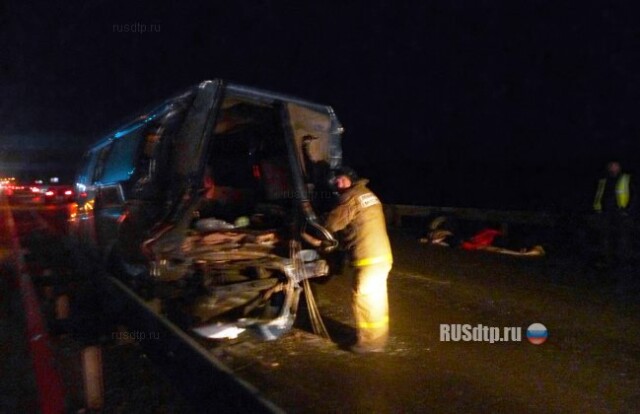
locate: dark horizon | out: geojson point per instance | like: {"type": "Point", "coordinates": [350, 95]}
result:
{"type": "Point", "coordinates": [479, 105]}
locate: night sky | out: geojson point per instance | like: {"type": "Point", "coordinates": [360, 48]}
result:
{"type": "Point", "coordinates": [476, 103]}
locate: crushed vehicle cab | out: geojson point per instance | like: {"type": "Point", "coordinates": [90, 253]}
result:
{"type": "Point", "coordinates": [204, 202]}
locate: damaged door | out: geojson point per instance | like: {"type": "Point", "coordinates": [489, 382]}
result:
{"type": "Point", "coordinates": [313, 137]}
{"type": "Point", "coordinates": [186, 164]}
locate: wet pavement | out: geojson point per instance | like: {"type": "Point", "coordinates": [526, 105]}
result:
{"type": "Point", "coordinates": [589, 363]}
{"type": "Point", "coordinates": [17, 385]}
{"type": "Point", "coordinates": [17, 382]}
{"type": "Point", "coordinates": [132, 384]}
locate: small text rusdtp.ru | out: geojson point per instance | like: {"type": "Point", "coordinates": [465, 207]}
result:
{"type": "Point", "coordinates": [136, 28]}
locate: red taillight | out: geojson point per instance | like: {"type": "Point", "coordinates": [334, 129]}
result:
{"type": "Point", "coordinates": [35, 190]}
{"type": "Point", "coordinates": [68, 192]}
{"type": "Point", "coordinates": [49, 193]}
{"type": "Point", "coordinates": [256, 172]}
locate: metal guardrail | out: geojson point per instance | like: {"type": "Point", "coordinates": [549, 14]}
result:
{"type": "Point", "coordinates": [395, 212]}
{"type": "Point", "coordinates": [201, 378]}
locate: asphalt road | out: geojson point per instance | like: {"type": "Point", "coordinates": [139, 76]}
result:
{"type": "Point", "coordinates": [589, 363]}
{"type": "Point", "coordinates": [132, 383]}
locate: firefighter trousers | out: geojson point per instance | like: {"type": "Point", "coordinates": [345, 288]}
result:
{"type": "Point", "coordinates": [371, 305]}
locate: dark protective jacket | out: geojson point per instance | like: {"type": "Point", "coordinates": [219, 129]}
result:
{"type": "Point", "coordinates": [360, 216]}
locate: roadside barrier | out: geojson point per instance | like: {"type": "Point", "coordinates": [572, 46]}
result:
{"type": "Point", "coordinates": [394, 214]}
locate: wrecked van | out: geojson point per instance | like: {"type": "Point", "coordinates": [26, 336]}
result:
{"type": "Point", "coordinates": [204, 200]}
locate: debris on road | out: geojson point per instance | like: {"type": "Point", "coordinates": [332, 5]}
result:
{"type": "Point", "coordinates": [443, 232]}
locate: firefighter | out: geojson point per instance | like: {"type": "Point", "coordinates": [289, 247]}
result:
{"type": "Point", "coordinates": [360, 219]}
{"type": "Point", "coordinates": [613, 203]}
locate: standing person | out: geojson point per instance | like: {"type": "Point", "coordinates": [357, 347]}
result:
{"type": "Point", "coordinates": [614, 201]}
{"type": "Point", "coordinates": [360, 217]}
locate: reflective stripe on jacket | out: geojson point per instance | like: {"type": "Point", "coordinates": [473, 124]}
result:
{"type": "Point", "coordinates": [359, 215]}
{"type": "Point", "coordinates": [622, 192]}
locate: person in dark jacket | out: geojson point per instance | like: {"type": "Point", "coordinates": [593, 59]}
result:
{"type": "Point", "coordinates": [360, 220]}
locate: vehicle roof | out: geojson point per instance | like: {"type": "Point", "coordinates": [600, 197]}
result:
{"type": "Point", "coordinates": [257, 93]}
{"type": "Point", "coordinates": [236, 89]}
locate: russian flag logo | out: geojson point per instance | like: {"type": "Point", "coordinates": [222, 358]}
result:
{"type": "Point", "coordinates": [537, 333]}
